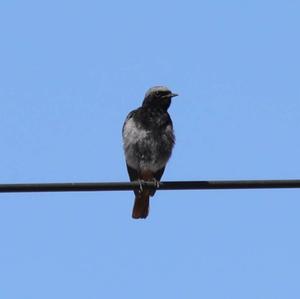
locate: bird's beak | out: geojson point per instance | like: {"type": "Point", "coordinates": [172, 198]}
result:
{"type": "Point", "coordinates": [170, 95]}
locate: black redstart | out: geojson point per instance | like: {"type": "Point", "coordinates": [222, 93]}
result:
{"type": "Point", "coordinates": [148, 140]}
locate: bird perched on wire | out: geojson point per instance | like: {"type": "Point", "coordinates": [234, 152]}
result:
{"type": "Point", "coordinates": [148, 140]}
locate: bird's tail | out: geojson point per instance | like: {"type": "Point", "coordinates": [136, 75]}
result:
{"type": "Point", "coordinates": [141, 205]}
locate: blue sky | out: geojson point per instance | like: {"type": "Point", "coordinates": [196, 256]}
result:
{"type": "Point", "coordinates": [70, 71]}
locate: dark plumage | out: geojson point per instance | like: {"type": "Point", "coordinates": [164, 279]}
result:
{"type": "Point", "coordinates": [148, 139]}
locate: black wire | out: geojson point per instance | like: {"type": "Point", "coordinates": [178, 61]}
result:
{"type": "Point", "coordinates": [125, 186]}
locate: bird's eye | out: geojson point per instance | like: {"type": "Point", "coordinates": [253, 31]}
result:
{"type": "Point", "coordinates": [157, 93]}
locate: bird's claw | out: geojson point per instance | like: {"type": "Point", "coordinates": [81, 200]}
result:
{"type": "Point", "coordinates": [156, 183]}
{"type": "Point", "coordinates": [141, 182]}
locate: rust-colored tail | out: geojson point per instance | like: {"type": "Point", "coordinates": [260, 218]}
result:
{"type": "Point", "coordinates": [141, 205]}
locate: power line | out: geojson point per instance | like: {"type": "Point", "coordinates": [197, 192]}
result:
{"type": "Point", "coordinates": [172, 185]}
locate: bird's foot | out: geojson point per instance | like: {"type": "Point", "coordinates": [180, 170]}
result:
{"type": "Point", "coordinates": [156, 183]}
{"type": "Point", "coordinates": [141, 182]}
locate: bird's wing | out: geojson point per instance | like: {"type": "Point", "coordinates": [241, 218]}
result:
{"type": "Point", "coordinates": [158, 174]}
{"type": "Point", "coordinates": [130, 115]}
{"type": "Point", "coordinates": [133, 174]}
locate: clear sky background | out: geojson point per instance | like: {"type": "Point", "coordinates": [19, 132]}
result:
{"type": "Point", "coordinates": [70, 71]}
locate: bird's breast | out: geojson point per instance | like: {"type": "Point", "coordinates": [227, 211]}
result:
{"type": "Point", "coordinates": [147, 149]}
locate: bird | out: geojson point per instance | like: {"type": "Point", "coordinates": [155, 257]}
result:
{"type": "Point", "coordinates": [148, 141]}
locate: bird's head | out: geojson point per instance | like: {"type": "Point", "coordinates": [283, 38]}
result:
{"type": "Point", "coordinates": [158, 96]}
